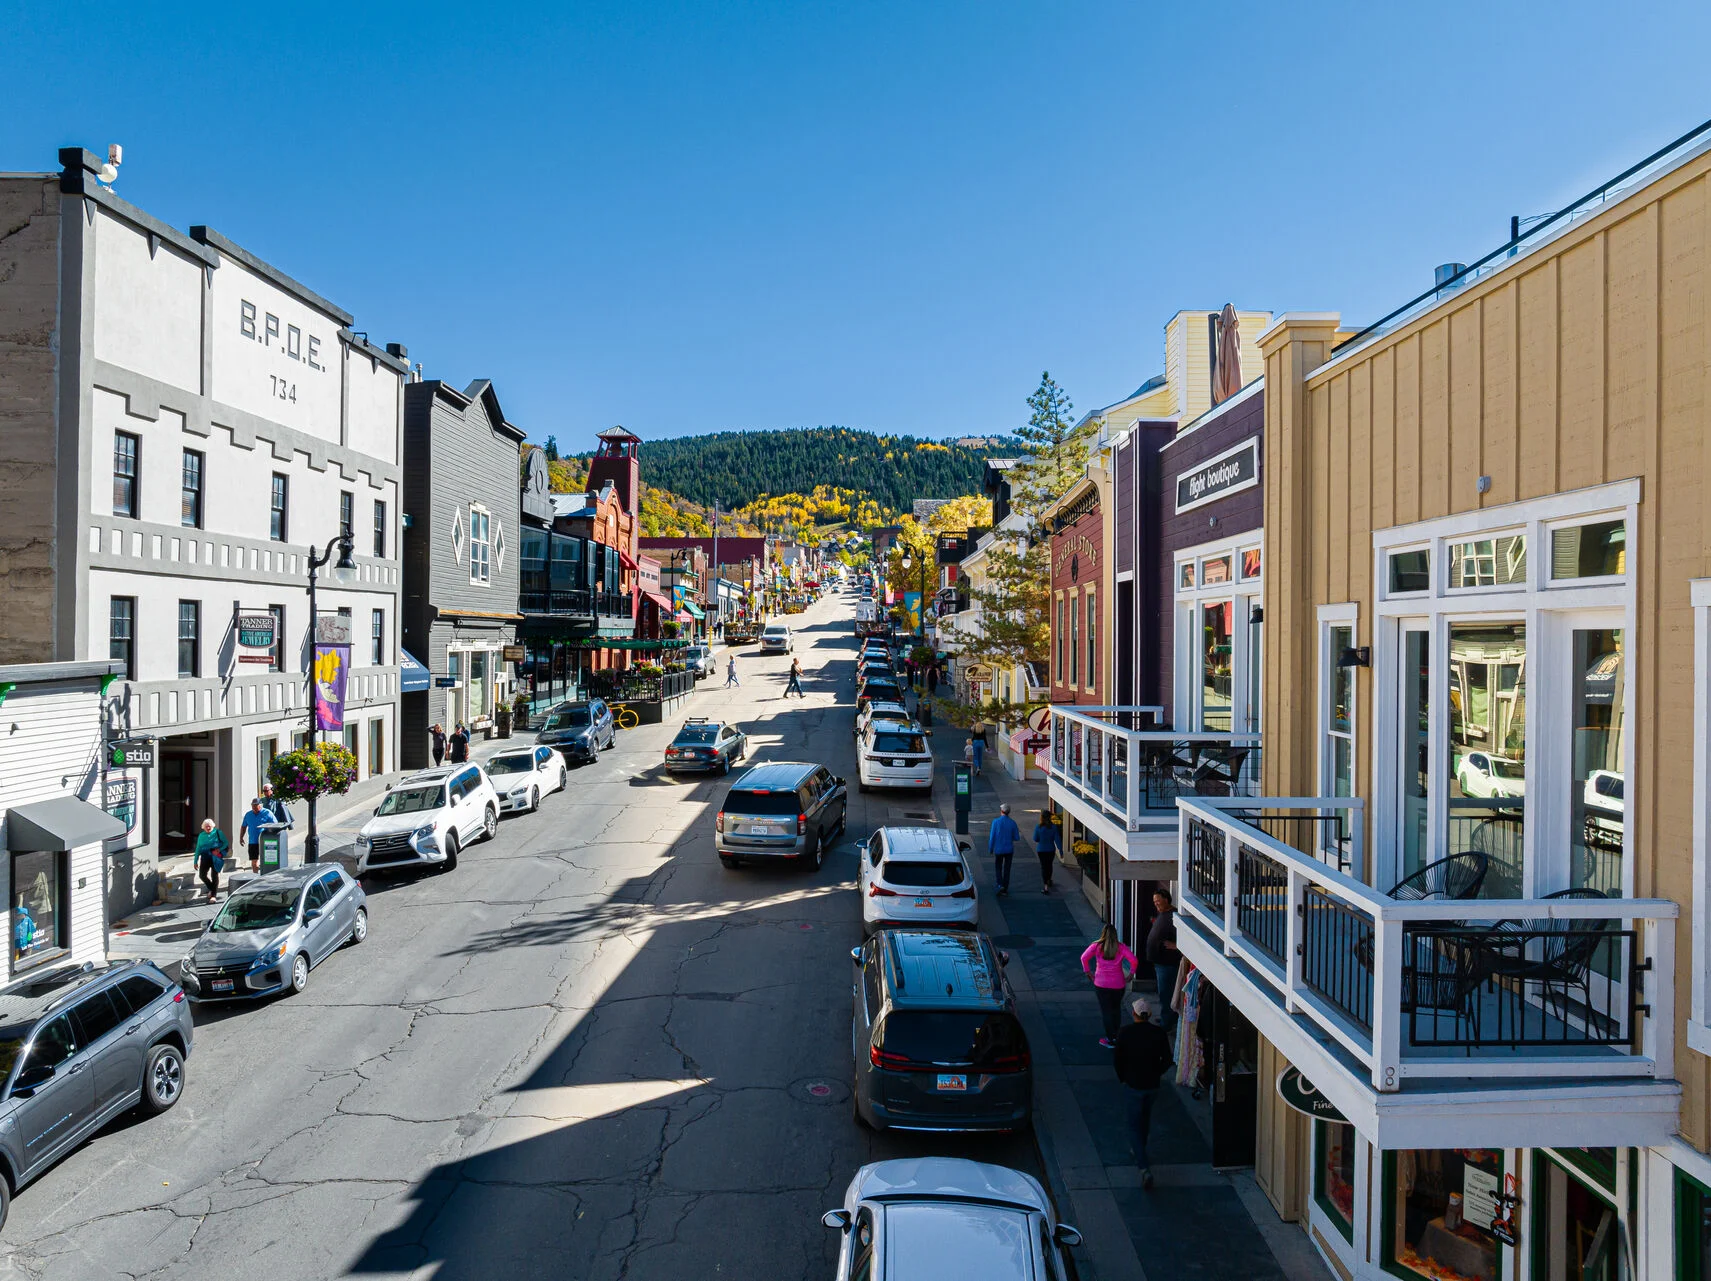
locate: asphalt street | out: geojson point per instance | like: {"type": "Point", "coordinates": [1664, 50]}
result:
{"type": "Point", "coordinates": [589, 1052]}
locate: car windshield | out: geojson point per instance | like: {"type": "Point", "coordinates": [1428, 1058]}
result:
{"type": "Point", "coordinates": [882, 691]}
{"type": "Point", "coordinates": [696, 651]}
{"type": "Point", "coordinates": [918, 872]}
{"type": "Point", "coordinates": [262, 910]}
{"type": "Point", "coordinates": [1507, 769]}
{"type": "Point", "coordinates": [570, 718]}
{"type": "Point", "coordinates": [762, 803]}
{"type": "Point", "coordinates": [886, 711]}
{"type": "Point", "coordinates": [520, 763]}
{"type": "Point", "coordinates": [953, 1037]}
{"type": "Point", "coordinates": [697, 734]}
{"type": "Point", "coordinates": [412, 800]}
{"type": "Point", "coordinates": [898, 741]}
{"type": "Point", "coordinates": [775, 631]}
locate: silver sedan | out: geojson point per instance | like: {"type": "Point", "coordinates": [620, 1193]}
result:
{"type": "Point", "coordinates": [272, 931]}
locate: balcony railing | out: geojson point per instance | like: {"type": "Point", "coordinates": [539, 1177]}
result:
{"type": "Point", "coordinates": [1112, 758]}
{"type": "Point", "coordinates": [1550, 987]}
{"type": "Point", "coordinates": [575, 601]}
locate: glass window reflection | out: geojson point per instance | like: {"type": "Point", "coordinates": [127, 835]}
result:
{"type": "Point", "coordinates": [1488, 748]}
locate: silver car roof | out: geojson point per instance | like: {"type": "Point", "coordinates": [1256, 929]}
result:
{"type": "Point", "coordinates": [918, 842]}
{"type": "Point", "coordinates": [930, 1239]}
{"type": "Point", "coordinates": [944, 1176]}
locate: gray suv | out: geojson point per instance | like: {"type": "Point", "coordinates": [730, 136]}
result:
{"type": "Point", "coordinates": [935, 1037]}
{"type": "Point", "coordinates": [77, 1048]}
{"type": "Point", "coordinates": [781, 810]}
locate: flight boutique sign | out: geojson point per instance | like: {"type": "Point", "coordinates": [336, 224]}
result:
{"type": "Point", "coordinates": [1230, 472]}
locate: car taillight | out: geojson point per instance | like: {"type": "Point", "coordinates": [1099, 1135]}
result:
{"type": "Point", "coordinates": [968, 893]}
{"type": "Point", "coordinates": [801, 825]}
{"type": "Point", "coordinates": [719, 821]}
{"type": "Point", "coordinates": [177, 997]}
{"type": "Point", "coordinates": [879, 891]}
{"type": "Point", "coordinates": [885, 1059]}
{"type": "Point", "coordinates": [1010, 1063]}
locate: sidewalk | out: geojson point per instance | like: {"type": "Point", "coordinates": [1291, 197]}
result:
{"type": "Point", "coordinates": [1195, 1221]}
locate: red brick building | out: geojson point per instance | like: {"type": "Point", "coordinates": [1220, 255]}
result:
{"type": "Point", "coordinates": [1077, 613]}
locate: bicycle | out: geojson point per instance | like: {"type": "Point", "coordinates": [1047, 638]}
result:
{"type": "Point", "coordinates": [625, 716]}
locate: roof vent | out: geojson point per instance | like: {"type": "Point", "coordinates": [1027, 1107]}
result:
{"type": "Point", "coordinates": [1444, 273]}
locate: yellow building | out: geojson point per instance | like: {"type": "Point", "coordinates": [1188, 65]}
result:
{"type": "Point", "coordinates": [1469, 909]}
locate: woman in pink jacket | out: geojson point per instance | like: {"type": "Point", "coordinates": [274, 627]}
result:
{"type": "Point", "coordinates": [1110, 963]}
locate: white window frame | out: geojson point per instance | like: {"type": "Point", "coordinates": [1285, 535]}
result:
{"type": "Point", "coordinates": [1532, 602]}
{"type": "Point", "coordinates": [1699, 1016]}
{"type": "Point", "coordinates": [480, 546]}
{"type": "Point", "coordinates": [1332, 617]}
{"type": "Point", "coordinates": [1596, 580]}
{"type": "Point", "coordinates": [1186, 678]}
{"type": "Point", "coordinates": [1432, 576]}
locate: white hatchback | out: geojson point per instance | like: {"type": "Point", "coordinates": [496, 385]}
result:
{"type": "Point", "coordinates": [893, 754]}
{"type": "Point", "coordinates": [937, 1217]}
{"type": "Point", "coordinates": [523, 775]}
{"type": "Point", "coordinates": [915, 876]}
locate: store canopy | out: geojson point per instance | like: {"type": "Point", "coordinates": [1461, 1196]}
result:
{"type": "Point", "coordinates": [658, 598]}
{"type": "Point", "coordinates": [628, 642]}
{"type": "Point", "coordinates": [413, 677]}
{"type": "Point", "coordinates": [64, 823]}
{"type": "Point", "coordinates": [625, 559]}
{"type": "Point", "coordinates": [684, 616]}
{"type": "Point", "coordinates": [694, 610]}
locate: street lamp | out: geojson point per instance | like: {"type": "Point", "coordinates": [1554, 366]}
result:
{"type": "Point", "coordinates": [344, 573]}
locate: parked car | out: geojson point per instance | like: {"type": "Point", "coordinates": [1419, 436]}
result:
{"type": "Point", "coordinates": [428, 818]}
{"type": "Point", "coordinates": [699, 659]}
{"type": "Point", "coordinates": [272, 931]}
{"type": "Point", "coordinates": [579, 730]}
{"type": "Point", "coordinates": [893, 754]}
{"type": "Point", "coordinates": [914, 876]}
{"type": "Point", "coordinates": [946, 1217]}
{"type": "Point", "coordinates": [776, 639]}
{"type": "Point", "coordinates": [1602, 798]}
{"type": "Point", "coordinates": [935, 1037]}
{"type": "Point", "coordinates": [783, 809]}
{"type": "Point", "coordinates": [878, 691]}
{"type": "Point", "coordinates": [706, 744]}
{"type": "Point", "coordinates": [1483, 774]}
{"type": "Point", "coordinates": [80, 1046]}
{"type": "Point", "coordinates": [881, 711]}
{"type": "Point", "coordinates": [522, 775]}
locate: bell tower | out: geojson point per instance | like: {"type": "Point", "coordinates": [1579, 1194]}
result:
{"type": "Point", "coordinates": [617, 461]}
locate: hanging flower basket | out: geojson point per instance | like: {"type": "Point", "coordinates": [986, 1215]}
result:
{"type": "Point", "coordinates": [326, 769]}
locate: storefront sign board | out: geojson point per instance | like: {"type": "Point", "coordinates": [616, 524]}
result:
{"type": "Point", "coordinates": [511, 653]}
{"type": "Point", "coordinates": [256, 636]}
{"type": "Point", "coordinates": [1230, 472]}
{"type": "Point", "coordinates": [119, 798]}
{"type": "Point", "coordinates": [1302, 1095]}
{"type": "Point", "coordinates": [127, 753]}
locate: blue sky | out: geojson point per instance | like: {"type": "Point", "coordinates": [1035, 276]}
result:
{"type": "Point", "coordinates": [698, 217]}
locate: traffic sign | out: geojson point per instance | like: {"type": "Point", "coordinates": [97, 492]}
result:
{"type": "Point", "coordinates": [125, 753]}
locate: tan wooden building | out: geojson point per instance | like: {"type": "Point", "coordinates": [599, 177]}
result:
{"type": "Point", "coordinates": [1470, 909]}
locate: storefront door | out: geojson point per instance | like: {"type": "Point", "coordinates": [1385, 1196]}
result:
{"type": "Point", "coordinates": [185, 800]}
{"type": "Point", "coordinates": [1577, 1233]}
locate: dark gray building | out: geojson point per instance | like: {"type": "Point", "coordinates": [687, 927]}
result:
{"type": "Point", "coordinates": [462, 513]}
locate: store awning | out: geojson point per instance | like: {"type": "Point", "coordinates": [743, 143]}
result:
{"type": "Point", "coordinates": [684, 616]}
{"type": "Point", "coordinates": [625, 559]}
{"type": "Point", "coordinates": [628, 642]}
{"type": "Point", "coordinates": [63, 823]}
{"type": "Point", "coordinates": [413, 677]}
{"type": "Point", "coordinates": [694, 610]}
{"type": "Point", "coordinates": [663, 601]}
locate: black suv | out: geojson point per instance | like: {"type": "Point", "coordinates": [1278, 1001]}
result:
{"type": "Point", "coordinates": [782, 810]}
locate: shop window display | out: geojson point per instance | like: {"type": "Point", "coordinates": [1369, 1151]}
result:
{"type": "Point", "coordinates": [37, 906]}
{"type": "Point", "coordinates": [1442, 1202]}
{"type": "Point", "coordinates": [1334, 1175]}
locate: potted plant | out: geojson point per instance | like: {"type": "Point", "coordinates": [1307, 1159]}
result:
{"type": "Point", "coordinates": [502, 719]}
{"type": "Point", "coordinates": [520, 711]}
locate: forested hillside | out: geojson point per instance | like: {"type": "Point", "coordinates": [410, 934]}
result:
{"type": "Point", "coordinates": [737, 467]}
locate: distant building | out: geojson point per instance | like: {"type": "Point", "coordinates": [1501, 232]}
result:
{"type": "Point", "coordinates": [925, 507]}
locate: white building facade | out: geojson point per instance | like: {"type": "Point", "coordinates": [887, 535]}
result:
{"type": "Point", "coordinates": [203, 422]}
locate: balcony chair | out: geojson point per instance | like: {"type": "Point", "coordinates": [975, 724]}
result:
{"type": "Point", "coordinates": [1561, 960]}
{"type": "Point", "coordinates": [1457, 877]}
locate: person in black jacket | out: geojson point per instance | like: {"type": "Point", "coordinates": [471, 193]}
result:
{"type": "Point", "coordinates": [1142, 1058]}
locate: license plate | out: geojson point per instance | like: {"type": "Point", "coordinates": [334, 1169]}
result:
{"type": "Point", "coordinates": [221, 985]}
{"type": "Point", "coordinates": [898, 764]}
{"type": "Point", "coordinates": [952, 1081]}
{"type": "Point", "coordinates": [763, 829]}
{"type": "Point", "coordinates": [923, 902]}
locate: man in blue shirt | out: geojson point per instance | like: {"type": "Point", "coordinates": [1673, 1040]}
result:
{"type": "Point", "coordinates": [254, 822]}
{"type": "Point", "coordinates": [1001, 844]}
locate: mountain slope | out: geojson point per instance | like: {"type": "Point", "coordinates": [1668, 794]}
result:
{"type": "Point", "coordinates": [737, 467]}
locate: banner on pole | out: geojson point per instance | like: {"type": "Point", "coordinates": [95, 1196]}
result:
{"type": "Point", "coordinates": [332, 662]}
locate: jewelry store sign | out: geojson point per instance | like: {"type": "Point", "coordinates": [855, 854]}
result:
{"type": "Point", "coordinates": [1229, 473]}
{"type": "Point", "coordinates": [256, 638]}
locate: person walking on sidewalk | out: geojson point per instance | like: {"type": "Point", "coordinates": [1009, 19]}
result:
{"type": "Point", "coordinates": [795, 686]}
{"type": "Point", "coordinates": [1110, 964]}
{"type": "Point", "coordinates": [276, 806]}
{"type": "Point", "coordinates": [1001, 844]}
{"type": "Point", "coordinates": [1163, 956]}
{"type": "Point", "coordinates": [731, 681]}
{"type": "Point", "coordinates": [459, 744]}
{"type": "Point", "coordinates": [438, 734]}
{"type": "Point", "coordinates": [1046, 845]}
{"type": "Point", "coordinates": [255, 819]}
{"type": "Point", "coordinates": [1141, 1060]}
{"type": "Point", "coordinates": [211, 847]}
{"type": "Point", "coordinates": [977, 746]}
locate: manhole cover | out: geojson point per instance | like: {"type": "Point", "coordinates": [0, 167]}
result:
{"type": "Point", "coordinates": [819, 1090]}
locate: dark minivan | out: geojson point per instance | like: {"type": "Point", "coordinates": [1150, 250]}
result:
{"type": "Point", "coordinates": [935, 1037]}
{"type": "Point", "coordinates": [781, 810]}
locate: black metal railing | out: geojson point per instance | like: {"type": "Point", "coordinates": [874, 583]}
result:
{"type": "Point", "coordinates": [1326, 836]}
{"type": "Point", "coordinates": [1521, 984]}
{"type": "Point", "coordinates": [1336, 955]}
{"type": "Point", "coordinates": [628, 687]}
{"type": "Point", "coordinates": [576, 600]}
{"type": "Point", "coordinates": [1169, 770]}
{"type": "Point", "coordinates": [1206, 864]}
{"type": "Point", "coordinates": [613, 604]}
{"type": "Point", "coordinates": [1262, 902]}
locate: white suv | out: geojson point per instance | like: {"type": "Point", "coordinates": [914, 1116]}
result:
{"type": "Point", "coordinates": [776, 639]}
{"type": "Point", "coordinates": [893, 754]}
{"type": "Point", "coordinates": [914, 876]}
{"type": "Point", "coordinates": [428, 818]}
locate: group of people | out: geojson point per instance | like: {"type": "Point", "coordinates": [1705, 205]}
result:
{"type": "Point", "coordinates": [264, 812]}
{"type": "Point", "coordinates": [457, 743]}
{"type": "Point", "coordinates": [793, 686]}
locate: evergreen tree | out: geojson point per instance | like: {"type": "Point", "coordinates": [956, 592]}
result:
{"type": "Point", "coordinates": [552, 449]}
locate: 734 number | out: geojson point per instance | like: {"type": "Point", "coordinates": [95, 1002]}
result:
{"type": "Point", "coordinates": [283, 389]}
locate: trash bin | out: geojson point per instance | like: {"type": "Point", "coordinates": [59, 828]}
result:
{"type": "Point", "coordinates": [275, 847]}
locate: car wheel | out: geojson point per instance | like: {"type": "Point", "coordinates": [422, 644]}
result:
{"type": "Point", "coordinates": [816, 855]}
{"type": "Point", "coordinates": [359, 927]}
{"type": "Point", "coordinates": [451, 852]}
{"type": "Point", "coordinates": [490, 825]}
{"type": "Point", "coordinates": [724, 766]}
{"type": "Point", "coordinates": [726, 860]}
{"type": "Point", "coordinates": [534, 799]}
{"type": "Point", "coordinates": [299, 973]}
{"type": "Point", "coordinates": [163, 1082]}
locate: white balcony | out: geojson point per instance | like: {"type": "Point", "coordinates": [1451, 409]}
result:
{"type": "Point", "coordinates": [1433, 1022]}
{"type": "Point", "coordinates": [1121, 777]}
